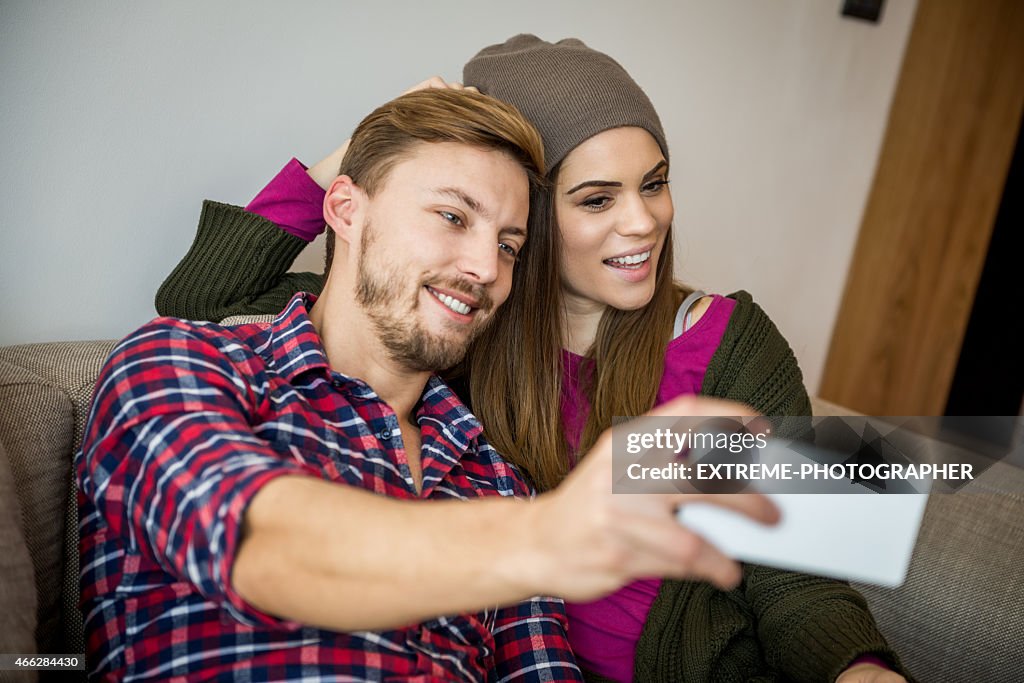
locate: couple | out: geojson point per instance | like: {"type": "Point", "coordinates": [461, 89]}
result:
{"type": "Point", "coordinates": [216, 539]}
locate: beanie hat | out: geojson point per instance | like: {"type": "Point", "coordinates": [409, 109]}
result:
{"type": "Point", "coordinates": [567, 90]}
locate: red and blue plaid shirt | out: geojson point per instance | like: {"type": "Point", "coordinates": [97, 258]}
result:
{"type": "Point", "coordinates": [188, 422]}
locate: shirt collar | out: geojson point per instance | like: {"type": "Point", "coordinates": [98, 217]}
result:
{"type": "Point", "coordinates": [294, 347]}
{"type": "Point", "coordinates": [442, 404]}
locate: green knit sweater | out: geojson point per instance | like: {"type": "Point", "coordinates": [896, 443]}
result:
{"type": "Point", "coordinates": [237, 265]}
{"type": "Point", "coordinates": [777, 625]}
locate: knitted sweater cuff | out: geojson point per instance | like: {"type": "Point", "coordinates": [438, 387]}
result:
{"type": "Point", "coordinates": [843, 633]}
{"type": "Point", "coordinates": [235, 254]}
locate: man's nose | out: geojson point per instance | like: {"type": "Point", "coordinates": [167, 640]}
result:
{"type": "Point", "coordinates": [478, 259]}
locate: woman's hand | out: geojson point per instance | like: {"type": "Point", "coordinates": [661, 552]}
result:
{"type": "Point", "coordinates": [439, 83]}
{"type": "Point", "coordinates": [326, 170]}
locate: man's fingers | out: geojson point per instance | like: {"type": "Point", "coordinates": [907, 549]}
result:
{"type": "Point", "coordinates": [701, 406]}
{"type": "Point", "coordinates": [756, 506]}
{"type": "Point", "coordinates": [712, 565]}
{"type": "Point", "coordinates": [665, 548]}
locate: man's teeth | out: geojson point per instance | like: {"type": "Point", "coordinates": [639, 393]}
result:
{"type": "Point", "coordinates": [634, 260]}
{"type": "Point", "coordinates": [452, 303]}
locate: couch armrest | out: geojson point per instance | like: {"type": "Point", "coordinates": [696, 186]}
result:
{"type": "Point", "coordinates": [45, 391]}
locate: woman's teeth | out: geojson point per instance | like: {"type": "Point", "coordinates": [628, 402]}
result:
{"type": "Point", "coordinates": [452, 303]}
{"type": "Point", "coordinates": [632, 262]}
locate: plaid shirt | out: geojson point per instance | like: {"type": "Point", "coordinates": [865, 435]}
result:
{"type": "Point", "coordinates": [188, 422]}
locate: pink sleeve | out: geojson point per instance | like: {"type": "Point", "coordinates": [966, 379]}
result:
{"type": "Point", "coordinates": [293, 201]}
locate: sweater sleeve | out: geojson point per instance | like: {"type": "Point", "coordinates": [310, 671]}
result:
{"type": "Point", "coordinates": [755, 365]}
{"type": "Point", "coordinates": [812, 628]}
{"type": "Point", "coordinates": [293, 201]}
{"type": "Point", "coordinates": [237, 265]}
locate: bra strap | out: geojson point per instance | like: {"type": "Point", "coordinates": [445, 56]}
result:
{"type": "Point", "coordinates": [683, 313]}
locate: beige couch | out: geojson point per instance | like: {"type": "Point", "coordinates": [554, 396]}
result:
{"type": "Point", "coordinates": [959, 617]}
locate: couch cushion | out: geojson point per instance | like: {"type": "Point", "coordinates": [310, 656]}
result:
{"type": "Point", "coordinates": [70, 366]}
{"type": "Point", "coordinates": [45, 390]}
{"type": "Point", "coordinates": [17, 583]}
{"type": "Point", "coordinates": [232, 320]}
{"type": "Point", "coordinates": [958, 617]}
{"type": "Point", "coordinates": [37, 430]}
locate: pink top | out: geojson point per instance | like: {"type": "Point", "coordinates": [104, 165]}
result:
{"type": "Point", "coordinates": [604, 633]}
{"type": "Point", "coordinates": [293, 200]}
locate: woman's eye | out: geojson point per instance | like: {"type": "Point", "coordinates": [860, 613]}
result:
{"type": "Point", "coordinates": [599, 202]}
{"type": "Point", "coordinates": [655, 186]}
{"type": "Point", "coordinates": [452, 218]}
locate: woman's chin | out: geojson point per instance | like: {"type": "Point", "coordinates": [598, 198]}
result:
{"type": "Point", "coordinates": [631, 303]}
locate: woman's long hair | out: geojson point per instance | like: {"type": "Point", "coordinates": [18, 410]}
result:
{"type": "Point", "coordinates": [516, 365]}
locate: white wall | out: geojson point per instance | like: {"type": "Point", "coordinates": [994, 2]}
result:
{"type": "Point", "coordinates": [119, 117]}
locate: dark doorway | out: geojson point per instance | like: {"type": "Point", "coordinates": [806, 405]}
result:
{"type": "Point", "coordinates": [989, 377]}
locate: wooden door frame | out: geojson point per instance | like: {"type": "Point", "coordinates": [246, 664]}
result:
{"type": "Point", "coordinates": [928, 219]}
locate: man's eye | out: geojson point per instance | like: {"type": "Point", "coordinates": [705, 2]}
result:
{"type": "Point", "coordinates": [452, 218]}
{"type": "Point", "coordinates": [508, 249]}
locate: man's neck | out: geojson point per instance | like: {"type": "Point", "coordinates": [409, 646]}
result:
{"type": "Point", "coordinates": [353, 349]}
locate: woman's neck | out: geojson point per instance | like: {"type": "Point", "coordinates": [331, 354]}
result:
{"type": "Point", "coordinates": [582, 318]}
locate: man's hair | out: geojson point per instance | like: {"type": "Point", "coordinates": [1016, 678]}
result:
{"type": "Point", "coordinates": [391, 132]}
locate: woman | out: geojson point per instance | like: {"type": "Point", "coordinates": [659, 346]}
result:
{"type": "Point", "coordinates": [601, 329]}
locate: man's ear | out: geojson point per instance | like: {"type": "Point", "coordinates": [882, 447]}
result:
{"type": "Point", "coordinates": [341, 204]}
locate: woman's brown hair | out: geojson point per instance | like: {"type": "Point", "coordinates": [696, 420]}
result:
{"type": "Point", "coordinates": [516, 366]}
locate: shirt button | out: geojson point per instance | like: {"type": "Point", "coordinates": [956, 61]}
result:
{"type": "Point", "coordinates": [386, 434]}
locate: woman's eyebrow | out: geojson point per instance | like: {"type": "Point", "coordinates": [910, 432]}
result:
{"type": "Point", "coordinates": [611, 183]}
{"type": "Point", "coordinates": [595, 183]}
{"type": "Point", "coordinates": [657, 167]}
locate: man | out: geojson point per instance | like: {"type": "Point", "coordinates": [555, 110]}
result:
{"type": "Point", "coordinates": [239, 486]}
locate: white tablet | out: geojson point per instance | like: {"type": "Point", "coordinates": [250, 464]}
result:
{"type": "Point", "coordinates": [865, 536]}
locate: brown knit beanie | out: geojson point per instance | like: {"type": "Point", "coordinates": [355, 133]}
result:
{"type": "Point", "coordinates": [567, 90]}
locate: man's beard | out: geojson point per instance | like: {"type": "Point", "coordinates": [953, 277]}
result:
{"type": "Point", "coordinates": [379, 290]}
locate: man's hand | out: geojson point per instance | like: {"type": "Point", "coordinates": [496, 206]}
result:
{"type": "Point", "coordinates": [590, 541]}
{"type": "Point", "coordinates": [579, 542]}
{"type": "Point", "coordinates": [869, 673]}
{"type": "Point", "coordinates": [326, 170]}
